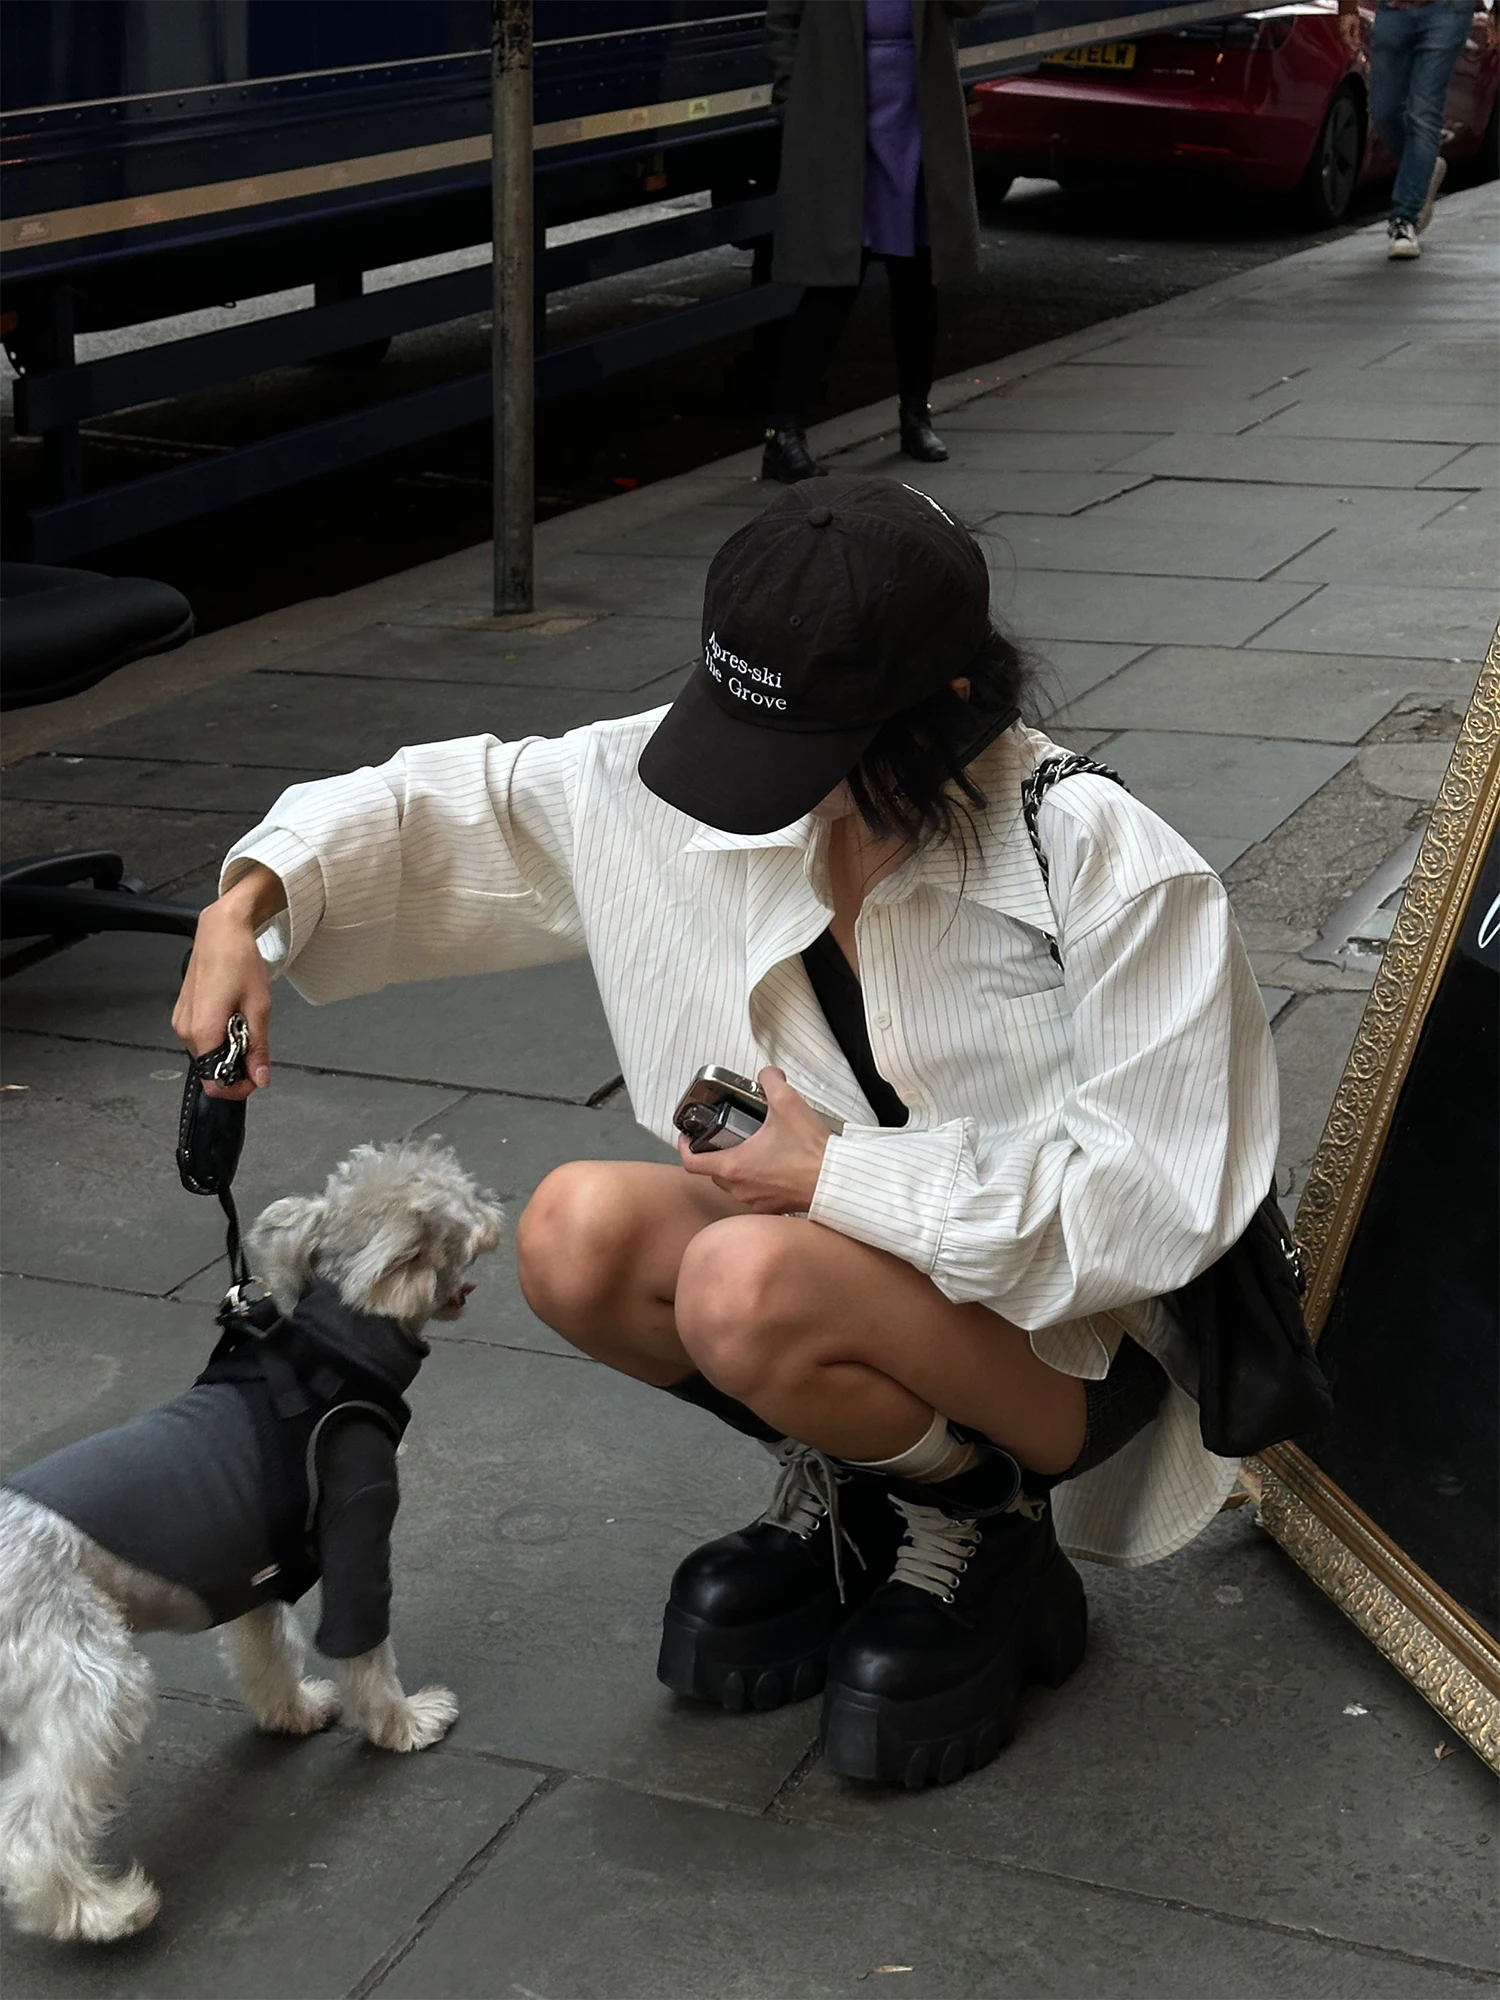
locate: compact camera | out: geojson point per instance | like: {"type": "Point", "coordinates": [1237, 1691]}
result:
{"type": "Point", "coordinates": [719, 1109]}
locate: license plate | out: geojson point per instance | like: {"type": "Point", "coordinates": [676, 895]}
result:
{"type": "Point", "coordinates": [1098, 55]}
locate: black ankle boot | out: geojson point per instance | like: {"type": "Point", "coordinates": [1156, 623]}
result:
{"type": "Point", "coordinates": [752, 1615]}
{"type": "Point", "coordinates": [918, 439]}
{"type": "Point", "coordinates": [922, 1683]}
{"type": "Point", "coordinates": [786, 456]}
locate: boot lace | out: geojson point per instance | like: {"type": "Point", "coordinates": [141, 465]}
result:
{"type": "Point", "coordinates": [807, 1491]}
{"type": "Point", "coordinates": [936, 1549]}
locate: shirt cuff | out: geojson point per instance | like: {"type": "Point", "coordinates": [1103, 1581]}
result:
{"type": "Point", "coordinates": [890, 1188]}
{"type": "Point", "coordinates": [288, 856]}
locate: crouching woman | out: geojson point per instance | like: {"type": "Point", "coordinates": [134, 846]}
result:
{"type": "Point", "coordinates": [1020, 1080]}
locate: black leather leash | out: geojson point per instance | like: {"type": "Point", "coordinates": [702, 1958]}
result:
{"type": "Point", "coordinates": [211, 1133]}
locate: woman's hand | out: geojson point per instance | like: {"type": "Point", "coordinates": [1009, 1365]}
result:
{"type": "Point", "coordinates": [776, 1172]}
{"type": "Point", "coordinates": [227, 975]}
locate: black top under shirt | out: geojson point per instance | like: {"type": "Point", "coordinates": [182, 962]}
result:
{"type": "Point", "coordinates": [837, 989]}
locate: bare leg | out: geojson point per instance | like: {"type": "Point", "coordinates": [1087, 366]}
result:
{"type": "Point", "coordinates": [264, 1652]}
{"type": "Point", "coordinates": [841, 1346]}
{"type": "Point", "coordinates": [380, 1709]}
{"type": "Point", "coordinates": [599, 1246]}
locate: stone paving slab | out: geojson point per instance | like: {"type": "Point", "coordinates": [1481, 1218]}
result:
{"type": "Point", "coordinates": [974, 447]}
{"type": "Point", "coordinates": [290, 720]}
{"type": "Point", "coordinates": [1478, 466]}
{"type": "Point", "coordinates": [1456, 551]}
{"type": "Point", "coordinates": [151, 785]}
{"type": "Point", "coordinates": [1032, 406]}
{"type": "Point", "coordinates": [1308, 696]}
{"type": "Point", "coordinates": [1212, 1680]}
{"type": "Point", "coordinates": [286, 1868]}
{"type": "Point", "coordinates": [976, 496]}
{"type": "Point", "coordinates": [1223, 793]}
{"type": "Point", "coordinates": [682, 1901]}
{"type": "Point", "coordinates": [1403, 620]}
{"type": "Point", "coordinates": [1100, 542]}
{"type": "Point", "coordinates": [1420, 423]}
{"type": "Point", "coordinates": [554, 1041]}
{"type": "Point", "coordinates": [1237, 507]}
{"type": "Point", "coordinates": [158, 848]}
{"type": "Point", "coordinates": [599, 655]}
{"type": "Point", "coordinates": [1066, 669]}
{"type": "Point", "coordinates": [1178, 611]}
{"type": "Point", "coordinates": [1293, 461]}
{"type": "Point", "coordinates": [91, 1192]}
{"type": "Point", "coordinates": [79, 1359]}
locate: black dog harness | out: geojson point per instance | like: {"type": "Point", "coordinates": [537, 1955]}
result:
{"type": "Point", "coordinates": [276, 1467]}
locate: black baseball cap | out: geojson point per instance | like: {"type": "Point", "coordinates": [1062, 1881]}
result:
{"type": "Point", "coordinates": [847, 601]}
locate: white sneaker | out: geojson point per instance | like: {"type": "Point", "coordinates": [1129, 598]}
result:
{"type": "Point", "coordinates": [1401, 240]}
{"type": "Point", "coordinates": [1439, 175]}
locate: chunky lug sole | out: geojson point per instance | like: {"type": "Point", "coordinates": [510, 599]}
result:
{"type": "Point", "coordinates": [932, 1742]}
{"type": "Point", "coordinates": [746, 1666]}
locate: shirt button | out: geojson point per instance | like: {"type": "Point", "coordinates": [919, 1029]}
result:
{"type": "Point", "coordinates": [882, 1019]}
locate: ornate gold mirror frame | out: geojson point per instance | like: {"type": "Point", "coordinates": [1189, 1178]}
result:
{"type": "Point", "coordinates": [1446, 1655]}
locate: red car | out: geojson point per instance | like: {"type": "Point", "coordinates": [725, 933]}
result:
{"type": "Point", "coordinates": [1270, 100]}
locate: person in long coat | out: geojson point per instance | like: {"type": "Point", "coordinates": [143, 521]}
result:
{"type": "Point", "coordinates": [874, 163]}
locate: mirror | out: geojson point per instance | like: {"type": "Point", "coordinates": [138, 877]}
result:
{"type": "Point", "coordinates": [1392, 1509]}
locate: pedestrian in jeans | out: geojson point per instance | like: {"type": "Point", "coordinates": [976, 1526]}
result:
{"type": "Point", "coordinates": [1414, 49]}
{"type": "Point", "coordinates": [1013, 1107]}
{"type": "Point", "coordinates": [874, 164]}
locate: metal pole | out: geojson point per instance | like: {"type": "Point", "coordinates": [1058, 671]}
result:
{"type": "Point", "coordinates": [512, 338]}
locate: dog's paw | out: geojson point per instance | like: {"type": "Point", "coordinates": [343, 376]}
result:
{"type": "Point", "coordinates": [416, 1722]}
{"type": "Point", "coordinates": [311, 1708]}
{"type": "Point", "coordinates": [96, 1911]}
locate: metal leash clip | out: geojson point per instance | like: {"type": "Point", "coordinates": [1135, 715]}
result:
{"type": "Point", "coordinates": [230, 1065]}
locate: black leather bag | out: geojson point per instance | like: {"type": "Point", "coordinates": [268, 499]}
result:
{"type": "Point", "coordinates": [1259, 1382]}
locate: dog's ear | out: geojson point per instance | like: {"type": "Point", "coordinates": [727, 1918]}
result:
{"type": "Point", "coordinates": [396, 1271]}
{"type": "Point", "coordinates": [281, 1244]}
{"type": "Point", "coordinates": [488, 1228]}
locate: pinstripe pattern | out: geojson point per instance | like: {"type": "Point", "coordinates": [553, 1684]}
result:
{"type": "Point", "coordinates": [1082, 1137]}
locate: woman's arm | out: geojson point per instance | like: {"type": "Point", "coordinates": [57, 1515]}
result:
{"type": "Point", "coordinates": [1168, 1142]}
{"type": "Point", "coordinates": [227, 975]}
{"type": "Point", "coordinates": [452, 858]}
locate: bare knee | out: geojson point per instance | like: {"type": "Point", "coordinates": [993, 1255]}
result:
{"type": "Point", "coordinates": [738, 1303]}
{"type": "Point", "coordinates": [576, 1242]}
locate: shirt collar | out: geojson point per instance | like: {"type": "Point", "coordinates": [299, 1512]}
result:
{"type": "Point", "coordinates": [1005, 876]}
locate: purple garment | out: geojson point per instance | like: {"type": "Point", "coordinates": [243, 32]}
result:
{"type": "Point", "coordinates": [895, 207]}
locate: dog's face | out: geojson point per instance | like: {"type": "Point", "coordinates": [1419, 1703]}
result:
{"type": "Point", "coordinates": [395, 1231]}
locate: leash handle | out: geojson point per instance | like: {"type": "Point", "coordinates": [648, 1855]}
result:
{"type": "Point", "coordinates": [211, 1132]}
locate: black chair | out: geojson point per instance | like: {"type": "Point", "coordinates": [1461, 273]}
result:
{"type": "Point", "coordinates": [62, 630]}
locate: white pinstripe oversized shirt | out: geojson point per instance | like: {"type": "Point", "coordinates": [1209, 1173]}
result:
{"type": "Point", "coordinates": [1082, 1138]}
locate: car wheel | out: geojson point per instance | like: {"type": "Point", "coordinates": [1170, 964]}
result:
{"type": "Point", "coordinates": [1327, 187]}
{"type": "Point", "coordinates": [992, 183]}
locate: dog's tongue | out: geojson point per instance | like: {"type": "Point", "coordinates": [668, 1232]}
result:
{"type": "Point", "coordinates": [451, 1308]}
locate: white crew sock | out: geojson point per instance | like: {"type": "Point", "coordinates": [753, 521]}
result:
{"type": "Point", "coordinates": [937, 1454]}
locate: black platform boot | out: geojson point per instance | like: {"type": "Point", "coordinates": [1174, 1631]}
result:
{"type": "Point", "coordinates": [786, 456]}
{"type": "Point", "coordinates": [918, 439]}
{"type": "Point", "coordinates": [752, 1615]}
{"type": "Point", "coordinates": [922, 1683]}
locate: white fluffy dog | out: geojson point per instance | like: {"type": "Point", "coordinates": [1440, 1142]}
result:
{"type": "Point", "coordinates": [382, 1250]}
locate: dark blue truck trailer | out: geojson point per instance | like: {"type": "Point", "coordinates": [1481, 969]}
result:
{"type": "Point", "coordinates": [162, 156]}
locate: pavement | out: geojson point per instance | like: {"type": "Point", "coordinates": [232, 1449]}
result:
{"type": "Point", "coordinates": [1250, 535]}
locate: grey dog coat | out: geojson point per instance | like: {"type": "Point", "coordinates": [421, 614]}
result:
{"type": "Point", "coordinates": [276, 1467]}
